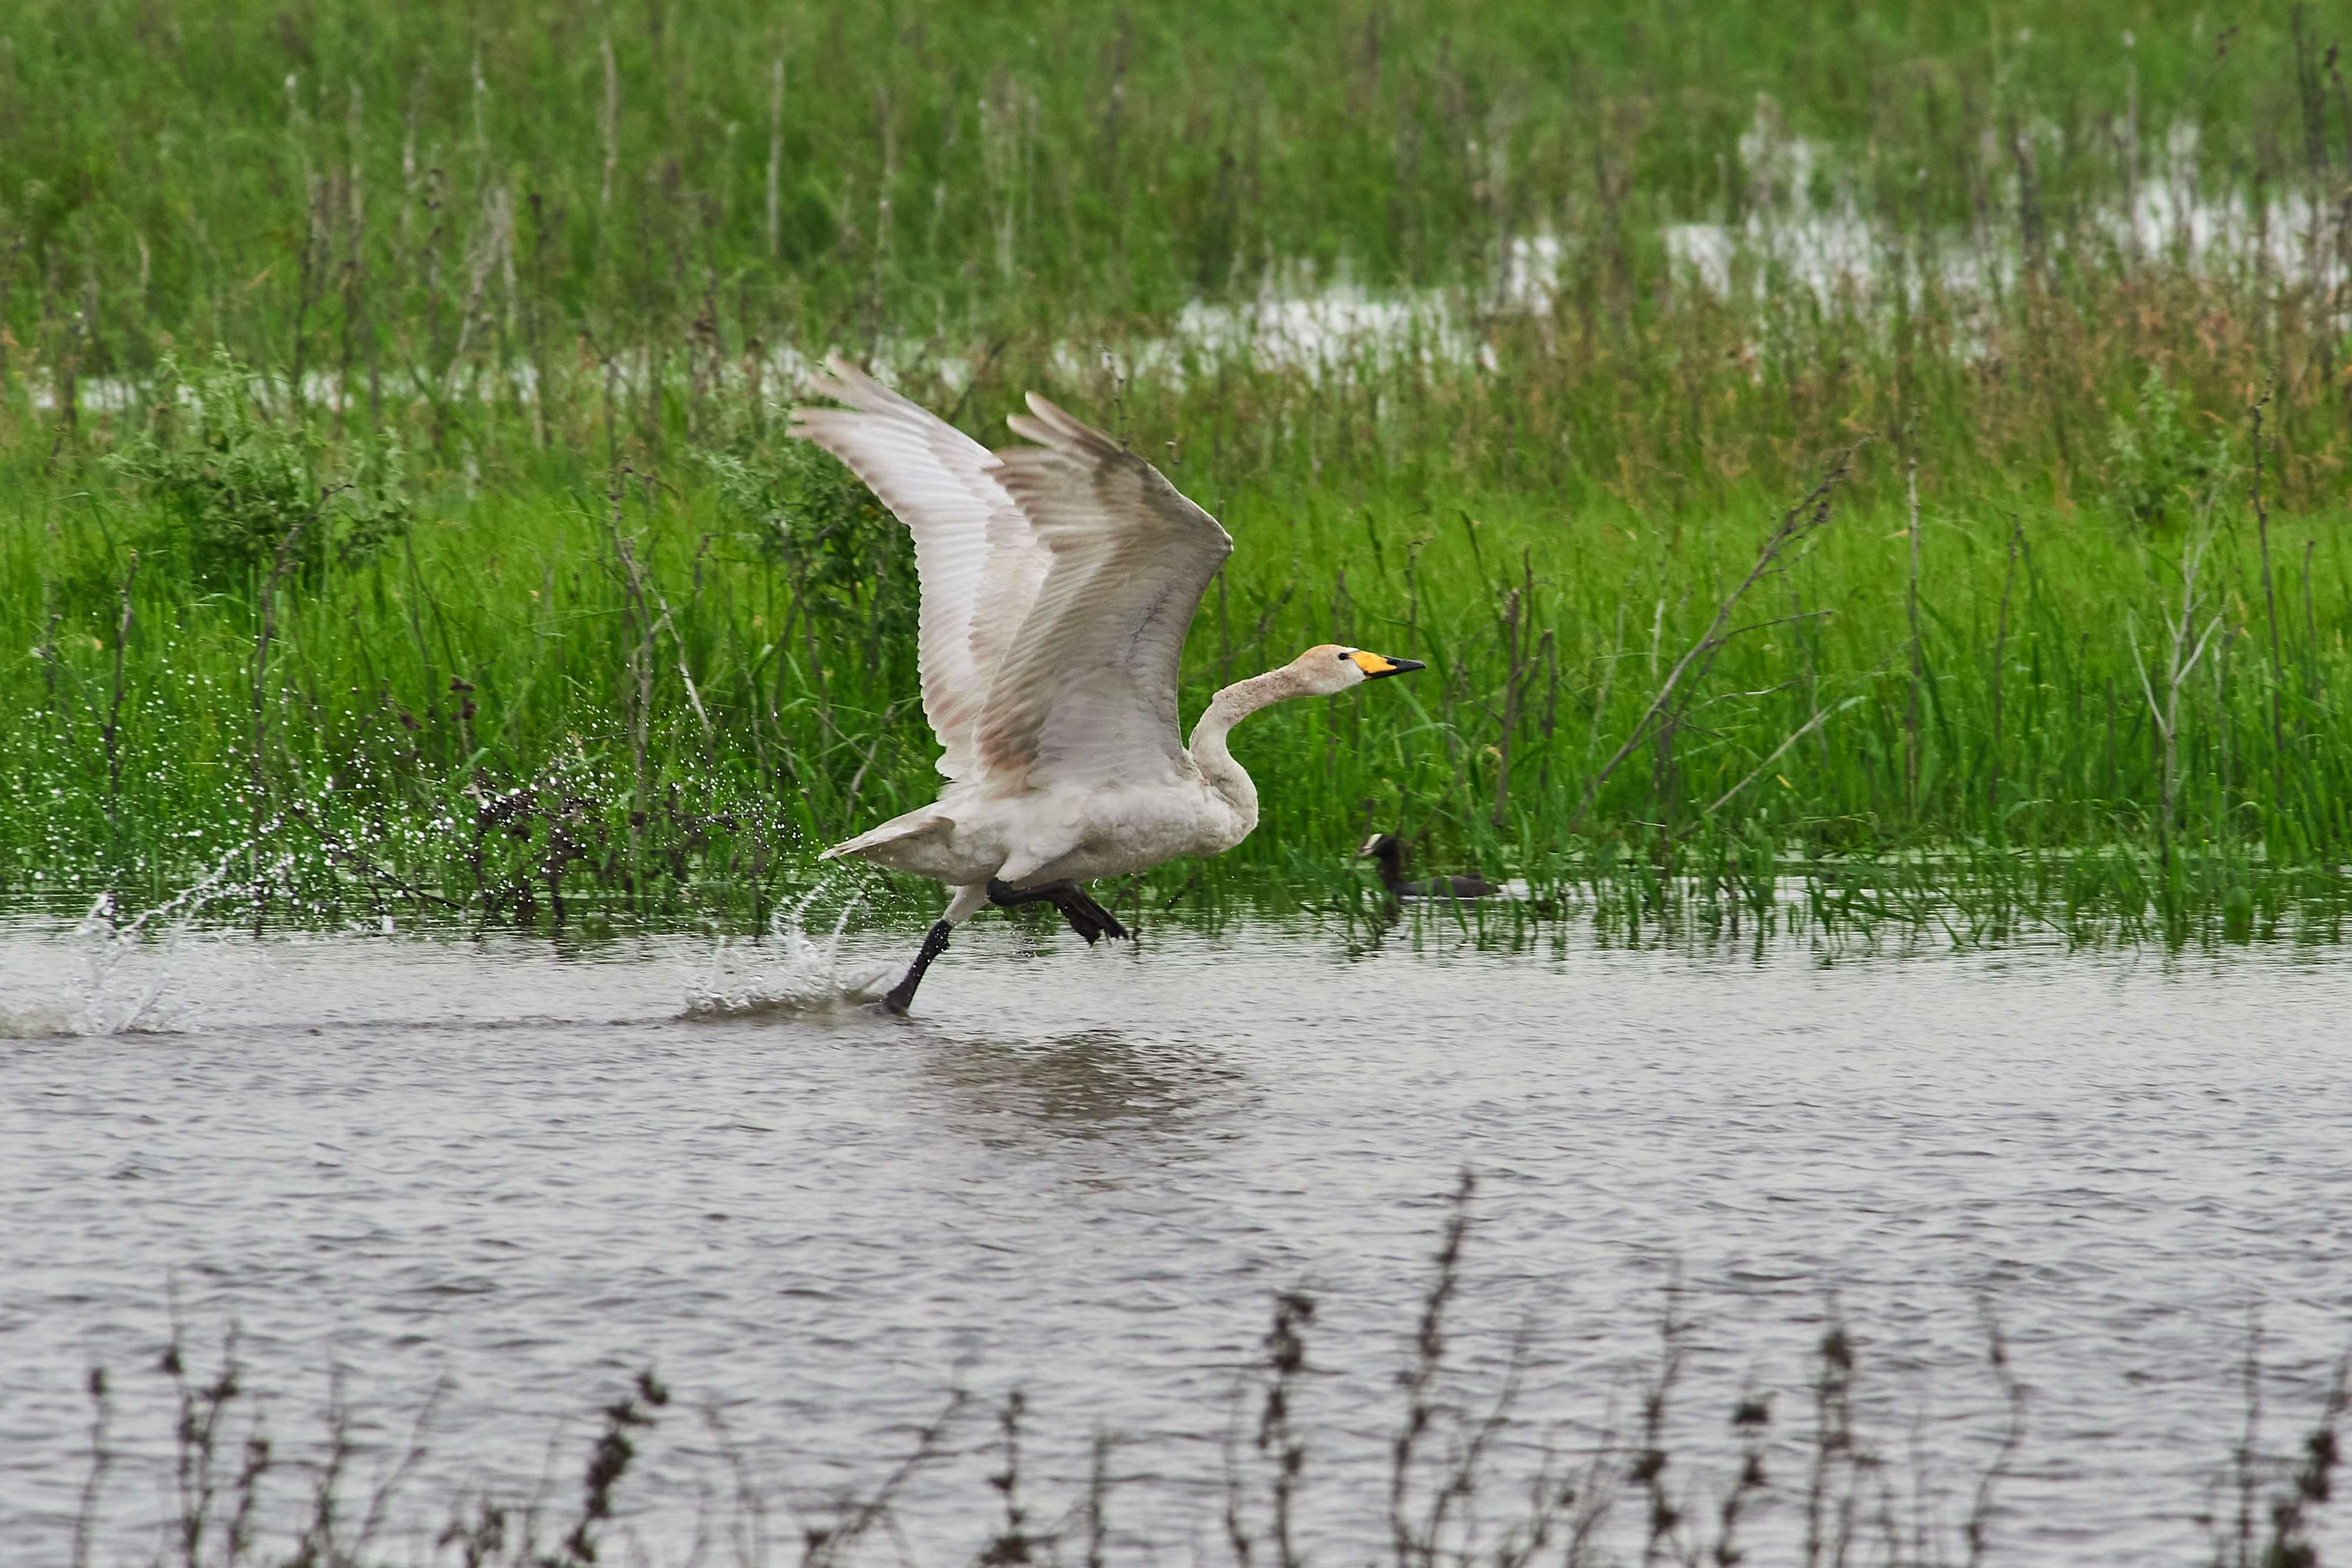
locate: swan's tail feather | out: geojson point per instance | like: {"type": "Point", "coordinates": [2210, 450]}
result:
{"type": "Point", "coordinates": [913, 824]}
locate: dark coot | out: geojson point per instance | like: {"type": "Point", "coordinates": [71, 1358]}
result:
{"type": "Point", "coordinates": [1388, 853]}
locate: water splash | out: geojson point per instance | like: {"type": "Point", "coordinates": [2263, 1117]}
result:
{"type": "Point", "coordinates": [801, 974]}
{"type": "Point", "coordinates": [109, 982]}
{"type": "Point", "coordinates": [123, 977]}
{"type": "Point", "coordinates": [126, 965]}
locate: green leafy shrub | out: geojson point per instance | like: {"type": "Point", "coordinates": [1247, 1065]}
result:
{"type": "Point", "coordinates": [2161, 466]}
{"type": "Point", "coordinates": [228, 482]}
{"type": "Point", "coordinates": [845, 553]}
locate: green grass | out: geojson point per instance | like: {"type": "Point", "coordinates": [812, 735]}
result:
{"type": "Point", "coordinates": [1548, 632]}
{"type": "Point", "coordinates": [458, 685]}
{"type": "Point", "coordinates": [1042, 162]}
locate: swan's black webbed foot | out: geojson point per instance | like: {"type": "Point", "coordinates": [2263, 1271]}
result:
{"type": "Point", "coordinates": [896, 1001]}
{"type": "Point", "coordinates": [1087, 918]}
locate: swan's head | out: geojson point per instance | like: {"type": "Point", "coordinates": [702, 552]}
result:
{"type": "Point", "coordinates": [1329, 668]}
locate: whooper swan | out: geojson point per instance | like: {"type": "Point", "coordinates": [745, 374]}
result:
{"type": "Point", "coordinates": [1058, 584]}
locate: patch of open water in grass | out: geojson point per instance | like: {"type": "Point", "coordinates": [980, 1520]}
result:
{"type": "Point", "coordinates": [531, 1166]}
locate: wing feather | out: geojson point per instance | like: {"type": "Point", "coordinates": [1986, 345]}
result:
{"type": "Point", "coordinates": [979, 561]}
{"type": "Point", "coordinates": [1087, 693]}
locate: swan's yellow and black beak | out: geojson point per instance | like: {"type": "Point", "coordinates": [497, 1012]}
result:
{"type": "Point", "coordinates": [1375, 665]}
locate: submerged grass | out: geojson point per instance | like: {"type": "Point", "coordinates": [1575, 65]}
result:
{"type": "Point", "coordinates": [478, 580]}
{"type": "Point", "coordinates": [1476, 1470]}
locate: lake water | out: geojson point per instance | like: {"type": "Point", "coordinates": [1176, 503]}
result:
{"type": "Point", "coordinates": [528, 1167]}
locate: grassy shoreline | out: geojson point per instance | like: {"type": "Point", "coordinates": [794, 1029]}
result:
{"type": "Point", "coordinates": [530, 687]}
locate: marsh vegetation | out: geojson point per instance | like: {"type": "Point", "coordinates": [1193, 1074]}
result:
{"type": "Point", "coordinates": [1905, 458]}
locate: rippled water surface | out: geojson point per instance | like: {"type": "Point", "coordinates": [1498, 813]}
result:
{"type": "Point", "coordinates": [527, 1167]}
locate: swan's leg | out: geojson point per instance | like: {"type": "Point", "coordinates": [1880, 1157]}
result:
{"type": "Point", "coordinates": [960, 908]}
{"type": "Point", "coordinates": [935, 943]}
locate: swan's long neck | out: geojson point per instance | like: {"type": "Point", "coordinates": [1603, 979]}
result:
{"type": "Point", "coordinates": [1226, 709]}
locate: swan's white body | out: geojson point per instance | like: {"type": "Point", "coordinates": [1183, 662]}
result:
{"type": "Point", "coordinates": [1060, 831]}
{"type": "Point", "coordinates": [1058, 580]}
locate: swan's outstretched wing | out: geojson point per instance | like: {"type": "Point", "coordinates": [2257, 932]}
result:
{"type": "Point", "coordinates": [1087, 694]}
{"type": "Point", "coordinates": [979, 562]}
